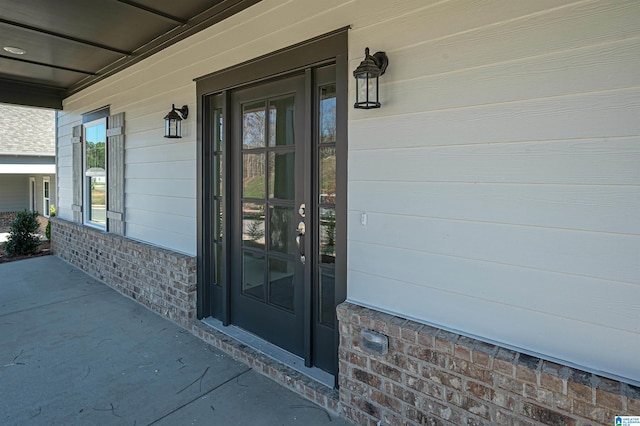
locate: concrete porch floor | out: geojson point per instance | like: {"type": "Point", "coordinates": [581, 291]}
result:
{"type": "Point", "coordinates": [74, 351]}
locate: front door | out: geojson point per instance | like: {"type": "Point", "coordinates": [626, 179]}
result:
{"type": "Point", "coordinates": [277, 215]}
{"type": "Point", "coordinates": [268, 273]}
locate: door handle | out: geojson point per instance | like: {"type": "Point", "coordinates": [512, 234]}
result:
{"type": "Point", "coordinates": [301, 231]}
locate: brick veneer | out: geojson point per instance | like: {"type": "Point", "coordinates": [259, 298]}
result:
{"type": "Point", "coordinates": [6, 218]}
{"type": "Point", "coordinates": [433, 377]}
{"type": "Point", "coordinates": [161, 279]}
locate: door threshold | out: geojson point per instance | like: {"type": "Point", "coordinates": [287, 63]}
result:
{"type": "Point", "coordinates": [272, 351]}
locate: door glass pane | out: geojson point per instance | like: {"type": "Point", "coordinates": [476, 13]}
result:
{"type": "Point", "coordinates": [253, 225]}
{"type": "Point", "coordinates": [281, 116]}
{"type": "Point", "coordinates": [327, 304]}
{"type": "Point", "coordinates": [217, 223]}
{"type": "Point", "coordinates": [281, 288]}
{"type": "Point", "coordinates": [327, 235]}
{"type": "Point", "coordinates": [217, 129]}
{"type": "Point", "coordinates": [328, 175]}
{"type": "Point", "coordinates": [217, 253]}
{"type": "Point", "coordinates": [253, 173]}
{"type": "Point", "coordinates": [281, 175]}
{"type": "Point", "coordinates": [327, 125]}
{"type": "Point", "coordinates": [253, 125]}
{"type": "Point", "coordinates": [281, 230]}
{"type": "Point", "coordinates": [217, 175]}
{"type": "Point", "coordinates": [253, 274]}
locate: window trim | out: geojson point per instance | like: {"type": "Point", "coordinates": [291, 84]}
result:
{"type": "Point", "coordinates": [86, 210]}
{"type": "Point", "coordinates": [45, 199]}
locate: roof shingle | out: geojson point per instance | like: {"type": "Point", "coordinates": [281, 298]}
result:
{"type": "Point", "coordinates": [25, 130]}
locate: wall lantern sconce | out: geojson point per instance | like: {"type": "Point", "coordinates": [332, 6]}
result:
{"type": "Point", "coordinates": [172, 121]}
{"type": "Point", "coordinates": [367, 74]}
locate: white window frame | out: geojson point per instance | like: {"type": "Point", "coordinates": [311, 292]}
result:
{"type": "Point", "coordinates": [46, 200]}
{"type": "Point", "coordinates": [86, 200]}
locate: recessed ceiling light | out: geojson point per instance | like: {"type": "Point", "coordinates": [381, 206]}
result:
{"type": "Point", "coordinates": [15, 50]}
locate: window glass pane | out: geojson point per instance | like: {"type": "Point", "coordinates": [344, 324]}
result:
{"type": "Point", "coordinates": [253, 173]}
{"type": "Point", "coordinates": [281, 175]}
{"type": "Point", "coordinates": [95, 171]}
{"type": "Point", "coordinates": [281, 289]}
{"type": "Point", "coordinates": [97, 199]}
{"type": "Point", "coordinates": [253, 274]}
{"type": "Point", "coordinates": [327, 308]}
{"type": "Point", "coordinates": [253, 125]}
{"type": "Point", "coordinates": [253, 225]}
{"type": "Point", "coordinates": [281, 230]}
{"type": "Point", "coordinates": [327, 235]}
{"type": "Point", "coordinates": [327, 125]}
{"type": "Point", "coordinates": [328, 175]}
{"type": "Point", "coordinates": [46, 189]}
{"type": "Point", "coordinates": [281, 121]}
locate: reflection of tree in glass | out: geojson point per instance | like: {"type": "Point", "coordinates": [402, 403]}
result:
{"type": "Point", "coordinates": [280, 229]}
{"type": "Point", "coordinates": [253, 125]}
{"type": "Point", "coordinates": [96, 154]}
{"type": "Point", "coordinates": [253, 136]}
{"type": "Point", "coordinates": [328, 113]}
{"type": "Point", "coordinates": [328, 174]}
{"type": "Point", "coordinates": [328, 235]}
{"type": "Point", "coordinates": [255, 226]}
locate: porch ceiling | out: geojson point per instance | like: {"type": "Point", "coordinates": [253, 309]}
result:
{"type": "Point", "coordinates": [72, 44]}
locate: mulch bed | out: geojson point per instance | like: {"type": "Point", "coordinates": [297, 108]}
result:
{"type": "Point", "coordinates": [43, 250]}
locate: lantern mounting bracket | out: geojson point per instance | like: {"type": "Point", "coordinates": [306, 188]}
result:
{"type": "Point", "coordinates": [381, 60]}
{"type": "Point", "coordinates": [184, 111]}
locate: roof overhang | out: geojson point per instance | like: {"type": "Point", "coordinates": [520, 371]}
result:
{"type": "Point", "coordinates": [72, 44]}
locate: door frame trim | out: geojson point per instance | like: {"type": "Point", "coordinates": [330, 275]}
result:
{"type": "Point", "coordinates": [328, 48]}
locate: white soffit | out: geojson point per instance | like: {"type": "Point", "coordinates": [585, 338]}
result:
{"type": "Point", "coordinates": [27, 169]}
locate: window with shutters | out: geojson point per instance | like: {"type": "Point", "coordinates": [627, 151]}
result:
{"type": "Point", "coordinates": [98, 171]}
{"type": "Point", "coordinates": [95, 173]}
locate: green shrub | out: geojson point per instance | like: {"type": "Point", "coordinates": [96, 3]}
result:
{"type": "Point", "coordinates": [23, 234]}
{"type": "Point", "coordinates": [52, 213]}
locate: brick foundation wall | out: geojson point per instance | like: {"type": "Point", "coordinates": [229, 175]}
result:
{"type": "Point", "coordinates": [433, 377]}
{"type": "Point", "coordinates": [163, 280]}
{"type": "Point", "coordinates": [6, 218]}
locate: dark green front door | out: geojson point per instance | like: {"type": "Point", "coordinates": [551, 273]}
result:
{"type": "Point", "coordinates": [267, 274]}
{"type": "Point", "coordinates": [276, 209]}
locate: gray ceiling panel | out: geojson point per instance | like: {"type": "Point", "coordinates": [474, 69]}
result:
{"type": "Point", "coordinates": [71, 44]}
{"type": "Point", "coordinates": [55, 51]}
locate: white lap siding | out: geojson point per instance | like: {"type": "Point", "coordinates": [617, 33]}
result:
{"type": "Point", "coordinates": [501, 177]}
